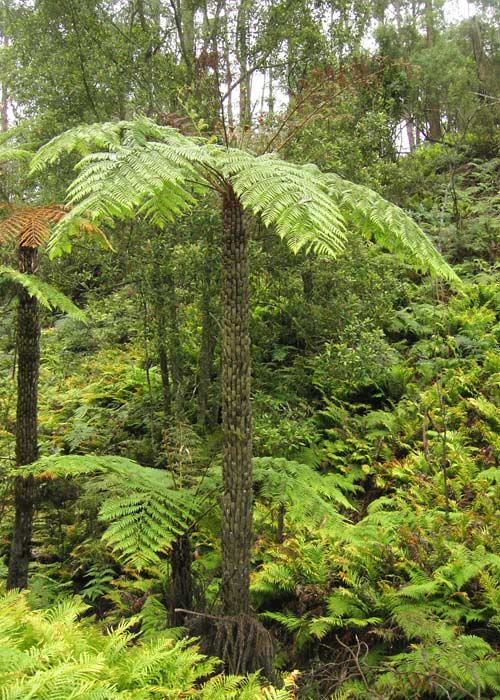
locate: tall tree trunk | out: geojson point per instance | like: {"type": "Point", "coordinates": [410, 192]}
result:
{"type": "Point", "coordinates": [240, 640]}
{"type": "Point", "coordinates": [174, 339]}
{"type": "Point", "coordinates": [410, 132]}
{"type": "Point", "coordinates": [158, 292]}
{"type": "Point", "coordinates": [4, 95]}
{"type": "Point", "coordinates": [184, 15]}
{"type": "Point", "coordinates": [236, 415]}
{"type": "Point", "coordinates": [28, 353]}
{"type": "Point", "coordinates": [483, 64]}
{"type": "Point", "coordinates": [163, 362]}
{"type": "Point", "coordinates": [242, 22]}
{"type": "Point", "coordinates": [433, 106]}
{"type": "Point", "coordinates": [229, 76]}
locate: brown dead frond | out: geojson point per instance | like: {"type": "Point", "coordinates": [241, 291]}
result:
{"type": "Point", "coordinates": [30, 226]}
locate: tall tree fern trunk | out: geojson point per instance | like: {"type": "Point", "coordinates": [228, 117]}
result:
{"type": "Point", "coordinates": [241, 640]}
{"type": "Point", "coordinates": [28, 353]}
{"type": "Point", "coordinates": [236, 417]}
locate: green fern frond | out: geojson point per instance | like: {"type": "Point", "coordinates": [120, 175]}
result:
{"type": "Point", "coordinates": [141, 522]}
{"type": "Point", "coordinates": [48, 296]}
{"type": "Point", "coordinates": [53, 655]}
{"type": "Point", "coordinates": [290, 197]}
{"type": "Point", "coordinates": [304, 490]}
{"type": "Point", "coordinates": [143, 168]}
{"type": "Point", "coordinates": [390, 226]}
{"type": "Point", "coordinates": [13, 153]}
{"type": "Point", "coordinates": [81, 140]}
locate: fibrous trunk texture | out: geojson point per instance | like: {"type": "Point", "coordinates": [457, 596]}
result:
{"type": "Point", "coordinates": [181, 597]}
{"type": "Point", "coordinates": [239, 639]}
{"type": "Point", "coordinates": [236, 416]}
{"type": "Point", "coordinates": [28, 353]}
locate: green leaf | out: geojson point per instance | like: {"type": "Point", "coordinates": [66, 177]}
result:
{"type": "Point", "coordinates": [48, 296]}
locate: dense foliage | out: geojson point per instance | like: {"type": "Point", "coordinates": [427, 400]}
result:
{"type": "Point", "coordinates": [375, 388]}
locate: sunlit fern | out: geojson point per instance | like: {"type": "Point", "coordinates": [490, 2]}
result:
{"type": "Point", "coordinates": [55, 654]}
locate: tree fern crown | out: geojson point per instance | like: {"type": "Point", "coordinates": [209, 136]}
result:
{"type": "Point", "coordinates": [139, 168]}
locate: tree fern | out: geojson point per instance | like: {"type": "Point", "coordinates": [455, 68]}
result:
{"type": "Point", "coordinates": [138, 166]}
{"type": "Point", "coordinates": [143, 509]}
{"type": "Point", "coordinates": [155, 172]}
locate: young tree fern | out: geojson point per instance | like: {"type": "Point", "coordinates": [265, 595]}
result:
{"type": "Point", "coordinates": [143, 508]}
{"type": "Point", "coordinates": [140, 168]}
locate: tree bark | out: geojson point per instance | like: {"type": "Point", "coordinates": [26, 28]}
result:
{"type": "Point", "coordinates": [158, 293]}
{"type": "Point", "coordinates": [182, 579]}
{"type": "Point", "coordinates": [236, 414]}
{"type": "Point", "coordinates": [433, 107]}
{"type": "Point", "coordinates": [242, 54]}
{"type": "Point", "coordinates": [163, 362]}
{"type": "Point", "coordinates": [28, 352]}
{"type": "Point", "coordinates": [174, 338]}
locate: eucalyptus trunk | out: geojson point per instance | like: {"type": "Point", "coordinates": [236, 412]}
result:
{"type": "Point", "coordinates": [433, 106]}
{"type": "Point", "coordinates": [208, 337]}
{"type": "Point", "coordinates": [158, 292]}
{"type": "Point", "coordinates": [28, 354]}
{"type": "Point", "coordinates": [174, 340]}
{"type": "Point", "coordinates": [236, 414]}
{"type": "Point", "coordinates": [164, 372]}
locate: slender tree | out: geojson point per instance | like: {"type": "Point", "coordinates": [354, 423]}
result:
{"type": "Point", "coordinates": [30, 227]}
{"type": "Point", "coordinates": [142, 167]}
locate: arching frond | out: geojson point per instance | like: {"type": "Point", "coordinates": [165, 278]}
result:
{"type": "Point", "coordinates": [143, 509]}
{"type": "Point", "coordinates": [290, 197]}
{"type": "Point", "coordinates": [47, 295]}
{"type": "Point", "coordinates": [140, 176]}
{"type": "Point", "coordinates": [12, 153]}
{"type": "Point", "coordinates": [143, 168]}
{"type": "Point", "coordinates": [376, 218]}
{"type": "Point", "coordinates": [81, 140]}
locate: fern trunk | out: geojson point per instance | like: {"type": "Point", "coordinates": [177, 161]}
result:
{"type": "Point", "coordinates": [236, 416]}
{"type": "Point", "coordinates": [28, 352]}
{"type": "Point", "coordinates": [181, 597]}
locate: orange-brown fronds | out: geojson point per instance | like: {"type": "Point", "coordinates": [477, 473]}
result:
{"type": "Point", "coordinates": [30, 226]}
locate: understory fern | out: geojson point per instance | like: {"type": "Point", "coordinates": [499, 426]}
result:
{"type": "Point", "coordinates": [55, 654]}
{"type": "Point", "coordinates": [307, 494]}
{"type": "Point", "coordinates": [144, 510]}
